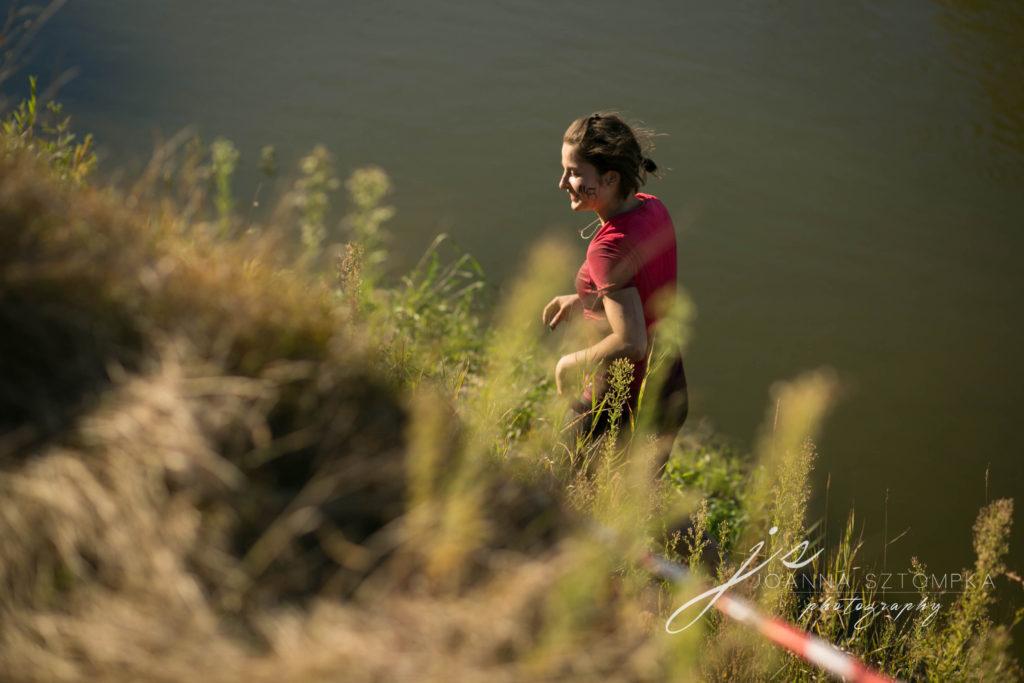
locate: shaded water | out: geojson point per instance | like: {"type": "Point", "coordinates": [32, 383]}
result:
{"type": "Point", "coordinates": [846, 183]}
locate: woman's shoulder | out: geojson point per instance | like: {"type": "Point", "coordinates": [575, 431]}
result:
{"type": "Point", "coordinates": [651, 202]}
{"type": "Point", "coordinates": [650, 212]}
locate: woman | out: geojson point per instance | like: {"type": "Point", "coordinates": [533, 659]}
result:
{"type": "Point", "coordinates": [630, 261]}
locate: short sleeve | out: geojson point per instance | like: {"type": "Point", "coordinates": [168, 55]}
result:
{"type": "Point", "coordinates": [611, 266]}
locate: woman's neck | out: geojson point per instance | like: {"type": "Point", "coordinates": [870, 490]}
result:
{"type": "Point", "coordinates": [628, 204]}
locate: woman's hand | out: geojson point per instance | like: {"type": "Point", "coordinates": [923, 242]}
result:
{"type": "Point", "coordinates": [561, 308]}
{"type": "Point", "coordinates": [627, 339]}
{"type": "Point", "coordinates": [562, 368]}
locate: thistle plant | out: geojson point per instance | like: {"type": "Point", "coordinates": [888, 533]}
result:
{"type": "Point", "coordinates": [311, 199]}
{"type": "Point", "coordinates": [223, 159]}
{"type": "Point", "coordinates": [311, 463]}
{"type": "Point", "coordinates": [620, 376]}
{"type": "Point", "coordinates": [267, 168]}
{"type": "Point", "coordinates": [367, 187]}
{"type": "Point", "coordinates": [268, 161]}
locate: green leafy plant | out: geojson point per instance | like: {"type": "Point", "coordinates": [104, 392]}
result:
{"type": "Point", "coordinates": [48, 135]}
{"type": "Point", "coordinates": [224, 159]}
{"type": "Point", "coordinates": [258, 432]}
{"type": "Point", "coordinates": [311, 199]}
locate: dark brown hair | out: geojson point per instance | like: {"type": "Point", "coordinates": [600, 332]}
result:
{"type": "Point", "coordinates": [607, 142]}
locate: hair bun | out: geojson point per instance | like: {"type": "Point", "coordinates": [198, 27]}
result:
{"type": "Point", "coordinates": [649, 165]}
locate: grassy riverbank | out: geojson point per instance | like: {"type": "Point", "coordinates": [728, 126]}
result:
{"type": "Point", "coordinates": [240, 450]}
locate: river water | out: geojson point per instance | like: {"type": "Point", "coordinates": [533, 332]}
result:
{"type": "Point", "coordinates": [845, 179]}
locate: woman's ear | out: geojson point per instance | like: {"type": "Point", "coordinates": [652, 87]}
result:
{"type": "Point", "coordinates": [610, 178]}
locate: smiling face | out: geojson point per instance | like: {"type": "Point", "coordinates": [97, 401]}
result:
{"type": "Point", "coordinates": [587, 189]}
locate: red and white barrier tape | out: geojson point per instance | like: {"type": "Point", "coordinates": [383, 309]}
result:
{"type": "Point", "coordinates": [807, 646]}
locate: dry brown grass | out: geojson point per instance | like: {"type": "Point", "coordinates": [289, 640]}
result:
{"type": "Point", "coordinates": [214, 467]}
{"type": "Point", "coordinates": [204, 477]}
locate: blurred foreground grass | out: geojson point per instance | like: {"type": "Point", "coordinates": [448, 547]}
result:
{"type": "Point", "coordinates": [234, 450]}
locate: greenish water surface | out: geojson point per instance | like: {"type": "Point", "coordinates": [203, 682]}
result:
{"type": "Point", "coordinates": [845, 179]}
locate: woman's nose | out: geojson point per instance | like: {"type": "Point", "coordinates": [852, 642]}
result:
{"type": "Point", "coordinates": [562, 184]}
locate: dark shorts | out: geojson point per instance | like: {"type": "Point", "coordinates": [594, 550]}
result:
{"type": "Point", "coordinates": [670, 409]}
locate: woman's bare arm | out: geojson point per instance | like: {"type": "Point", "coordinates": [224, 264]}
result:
{"type": "Point", "coordinates": [627, 339]}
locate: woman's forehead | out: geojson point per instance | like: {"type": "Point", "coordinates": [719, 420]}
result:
{"type": "Point", "coordinates": [570, 155]}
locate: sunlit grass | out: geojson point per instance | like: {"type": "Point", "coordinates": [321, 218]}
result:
{"type": "Point", "coordinates": [249, 445]}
